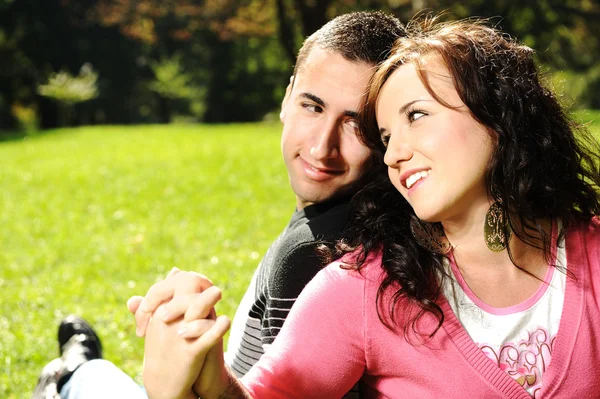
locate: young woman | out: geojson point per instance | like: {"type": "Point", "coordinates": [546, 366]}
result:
{"type": "Point", "coordinates": [473, 269]}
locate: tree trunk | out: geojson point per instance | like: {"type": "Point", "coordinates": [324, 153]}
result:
{"type": "Point", "coordinates": [164, 111]}
{"type": "Point", "coordinates": [48, 112]}
{"type": "Point", "coordinates": [312, 16]}
{"type": "Point", "coordinates": [286, 32]}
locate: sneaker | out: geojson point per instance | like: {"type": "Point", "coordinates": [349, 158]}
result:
{"type": "Point", "coordinates": [73, 325]}
{"type": "Point", "coordinates": [78, 343]}
{"type": "Point", "coordinates": [47, 386]}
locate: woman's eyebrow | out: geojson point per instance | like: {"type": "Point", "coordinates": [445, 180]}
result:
{"type": "Point", "coordinates": [403, 108]}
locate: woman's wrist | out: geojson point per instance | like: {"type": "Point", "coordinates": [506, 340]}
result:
{"type": "Point", "coordinates": [218, 388]}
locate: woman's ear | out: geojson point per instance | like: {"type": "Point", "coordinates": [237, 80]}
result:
{"type": "Point", "coordinates": [288, 91]}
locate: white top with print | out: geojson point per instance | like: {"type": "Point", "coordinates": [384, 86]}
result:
{"type": "Point", "coordinates": [519, 339]}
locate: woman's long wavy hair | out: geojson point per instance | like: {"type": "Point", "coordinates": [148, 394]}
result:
{"type": "Point", "coordinates": [544, 166]}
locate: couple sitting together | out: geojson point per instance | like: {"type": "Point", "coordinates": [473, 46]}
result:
{"type": "Point", "coordinates": [456, 204]}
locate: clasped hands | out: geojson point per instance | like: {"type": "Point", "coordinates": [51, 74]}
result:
{"type": "Point", "coordinates": [183, 353]}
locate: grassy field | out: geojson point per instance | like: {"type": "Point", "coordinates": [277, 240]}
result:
{"type": "Point", "coordinates": [591, 119]}
{"type": "Point", "coordinates": [91, 216]}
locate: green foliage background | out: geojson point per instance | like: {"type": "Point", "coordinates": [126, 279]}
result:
{"type": "Point", "coordinates": [230, 60]}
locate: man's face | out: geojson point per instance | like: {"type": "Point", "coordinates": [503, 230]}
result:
{"type": "Point", "coordinates": [320, 147]}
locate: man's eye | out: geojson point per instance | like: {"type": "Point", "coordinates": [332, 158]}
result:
{"type": "Point", "coordinates": [353, 123]}
{"type": "Point", "coordinates": [312, 108]}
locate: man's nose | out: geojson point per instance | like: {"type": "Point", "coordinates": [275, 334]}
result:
{"type": "Point", "coordinates": [327, 142]}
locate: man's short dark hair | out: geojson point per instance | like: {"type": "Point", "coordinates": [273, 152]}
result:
{"type": "Point", "coordinates": [358, 36]}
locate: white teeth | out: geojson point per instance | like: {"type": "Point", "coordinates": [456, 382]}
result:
{"type": "Point", "coordinates": [412, 179]}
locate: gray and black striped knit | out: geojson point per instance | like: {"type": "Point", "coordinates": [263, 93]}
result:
{"type": "Point", "coordinates": [289, 264]}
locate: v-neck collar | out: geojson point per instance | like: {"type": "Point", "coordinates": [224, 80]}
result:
{"type": "Point", "coordinates": [564, 341]}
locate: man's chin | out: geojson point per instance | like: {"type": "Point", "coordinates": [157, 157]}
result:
{"type": "Point", "coordinates": [306, 198]}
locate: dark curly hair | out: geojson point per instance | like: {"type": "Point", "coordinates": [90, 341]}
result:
{"type": "Point", "coordinates": [544, 166]}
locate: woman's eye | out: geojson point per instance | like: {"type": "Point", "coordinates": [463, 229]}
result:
{"type": "Point", "coordinates": [415, 115]}
{"type": "Point", "coordinates": [385, 138]}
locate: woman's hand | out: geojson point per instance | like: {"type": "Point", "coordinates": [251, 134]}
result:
{"type": "Point", "coordinates": [183, 336]}
{"type": "Point", "coordinates": [185, 346]}
{"type": "Point", "coordinates": [177, 282]}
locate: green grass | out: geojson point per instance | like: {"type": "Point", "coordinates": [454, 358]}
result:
{"type": "Point", "coordinates": [91, 216]}
{"type": "Point", "coordinates": [591, 118]}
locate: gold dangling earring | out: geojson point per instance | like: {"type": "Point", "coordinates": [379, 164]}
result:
{"type": "Point", "coordinates": [430, 236]}
{"type": "Point", "coordinates": [496, 230]}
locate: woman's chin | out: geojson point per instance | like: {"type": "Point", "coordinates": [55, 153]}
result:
{"type": "Point", "coordinates": [427, 216]}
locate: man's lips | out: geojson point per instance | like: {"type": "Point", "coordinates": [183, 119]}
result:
{"type": "Point", "coordinates": [318, 173]}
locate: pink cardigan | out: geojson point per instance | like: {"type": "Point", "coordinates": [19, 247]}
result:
{"type": "Point", "coordinates": [333, 337]}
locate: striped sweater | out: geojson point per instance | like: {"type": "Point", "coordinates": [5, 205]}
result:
{"type": "Point", "coordinates": [289, 264]}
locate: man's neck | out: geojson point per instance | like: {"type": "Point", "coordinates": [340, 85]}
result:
{"type": "Point", "coordinates": [322, 206]}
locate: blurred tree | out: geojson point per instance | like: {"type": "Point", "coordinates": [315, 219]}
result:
{"type": "Point", "coordinates": [69, 90]}
{"type": "Point", "coordinates": [173, 83]}
{"type": "Point", "coordinates": [234, 38]}
{"type": "Point", "coordinates": [39, 38]}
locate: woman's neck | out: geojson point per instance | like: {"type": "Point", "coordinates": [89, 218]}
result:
{"type": "Point", "coordinates": [465, 232]}
{"type": "Point", "coordinates": [493, 276]}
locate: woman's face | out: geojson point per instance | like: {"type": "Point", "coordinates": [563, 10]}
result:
{"type": "Point", "coordinates": [436, 156]}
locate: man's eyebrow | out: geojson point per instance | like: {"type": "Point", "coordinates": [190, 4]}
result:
{"type": "Point", "coordinates": [313, 98]}
{"type": "Point", "coordinates": [318, 100]}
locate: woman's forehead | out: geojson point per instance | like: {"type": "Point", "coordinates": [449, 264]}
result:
{"type": "Point", "coordinates": [414, 80]}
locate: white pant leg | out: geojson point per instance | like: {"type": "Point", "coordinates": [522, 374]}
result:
{"type": "Point", "coordinates": [100, 379]}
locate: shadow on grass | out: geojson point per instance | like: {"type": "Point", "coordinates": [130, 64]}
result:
{"type": "Point", "coordinates": [13, 136]}
{"type": "Point", "coordinates": [20, 135]}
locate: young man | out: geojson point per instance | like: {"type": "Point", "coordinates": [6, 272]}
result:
{"type": "Point", "coordinates": [326, 165]}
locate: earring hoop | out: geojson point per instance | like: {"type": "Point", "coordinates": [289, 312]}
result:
{"type": "Point", "coordinates": [496, 230]}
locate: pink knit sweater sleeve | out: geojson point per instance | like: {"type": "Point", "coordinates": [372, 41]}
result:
{"type": "Point", "coordinates": [319, 352]}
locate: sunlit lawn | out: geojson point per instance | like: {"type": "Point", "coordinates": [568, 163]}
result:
{"type": "Point", "coordinates": [591, 119]}
{"type": "Point", "coordinates": [91, 216]}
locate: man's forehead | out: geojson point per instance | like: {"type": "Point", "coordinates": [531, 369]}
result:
{"type": "Point", "coordinates": [319, 55]}
{"type": "Point", "coordinates": [327, 73]}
